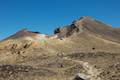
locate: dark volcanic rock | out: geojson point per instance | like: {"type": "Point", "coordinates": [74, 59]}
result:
{"type": "Point", "coordinates": [67, 31]}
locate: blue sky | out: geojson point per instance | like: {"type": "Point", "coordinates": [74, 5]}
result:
{"type": "Point", "coordinates": [45, 15]}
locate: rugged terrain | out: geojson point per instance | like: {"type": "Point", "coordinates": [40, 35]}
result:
{"type": "Point", "coordinates": [87, 49]}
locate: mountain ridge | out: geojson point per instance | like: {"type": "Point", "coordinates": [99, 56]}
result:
{"type": "Point", "coordinates": [85, 23]}
{"type": "Point", "coordinates": [86, 49]}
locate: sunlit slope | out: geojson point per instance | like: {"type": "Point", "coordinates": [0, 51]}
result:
{"type": "Point", "coordinates": [87, 48]}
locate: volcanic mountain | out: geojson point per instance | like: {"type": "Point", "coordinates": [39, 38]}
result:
{"type": "Point", "coordinates": [87, 49]}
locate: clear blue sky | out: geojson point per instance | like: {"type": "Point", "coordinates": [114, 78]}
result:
{"type": "Point", "coordinates": [46, 15]}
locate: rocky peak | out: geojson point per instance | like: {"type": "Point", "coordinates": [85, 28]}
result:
{"type": "Point", "coordinates": [75, 27]}
{"type": "Point", "coordinates": [82, 21]}
{"type": "Point", "coordinates": [90, 26]}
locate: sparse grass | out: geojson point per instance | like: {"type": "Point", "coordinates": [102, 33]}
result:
{"type": "Point", "coordinates": [51, 66]}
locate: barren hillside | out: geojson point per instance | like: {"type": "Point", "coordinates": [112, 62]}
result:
{"type": "Point", "coordinates": [85, 50]}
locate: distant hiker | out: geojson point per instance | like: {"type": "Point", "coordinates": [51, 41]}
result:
{"type": "Point", "coordinates": [93, 48]}
{"type": "Point", "coordinates": [78, 78]}
{"type": "Point", "coordinates": [60, 55]}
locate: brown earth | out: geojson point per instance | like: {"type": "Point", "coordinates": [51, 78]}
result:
{"type": "Point", "coordinates": [88, 49]}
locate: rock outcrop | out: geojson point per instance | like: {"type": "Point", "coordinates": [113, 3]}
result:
{"type": "Point", "coordinates": [90, 26]}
